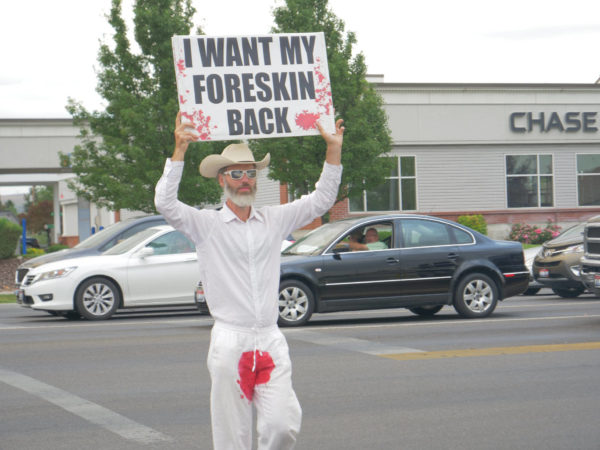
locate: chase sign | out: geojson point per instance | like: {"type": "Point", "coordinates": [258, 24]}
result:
{"type": "Point", "coordinates": [569, 122]}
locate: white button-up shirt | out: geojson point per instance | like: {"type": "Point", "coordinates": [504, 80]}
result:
{"type": "Point", "coordinates": [239, 261]}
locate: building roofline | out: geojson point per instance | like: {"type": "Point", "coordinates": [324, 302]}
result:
{"type": "Point", "coordinates": [515, 86]}
{"type": "Point", "coordinates": [16, 120]}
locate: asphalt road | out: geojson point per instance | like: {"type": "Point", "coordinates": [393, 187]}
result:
{"type": "Point", "coordinates": [526, 378]}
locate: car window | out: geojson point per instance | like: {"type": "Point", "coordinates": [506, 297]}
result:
{"type": "Point", "coordinates": [131, 231]}
{"type": "Point", "coordinates": [574, 231]}
{"type": "Point", "coordinates": [316, 240]}
{"type": "Point", "coordinates": [133, 241]}
{"type": "Point", "coordinates": [99, 237]}
{"type": "Point", "coordinates": [461, 236]}
{"type": "Point", "coordinates": [370, 237]}
{"type": "Point", "coordinates": [425, 233]}
{"type": "Point", "coordinates": [171, 243]}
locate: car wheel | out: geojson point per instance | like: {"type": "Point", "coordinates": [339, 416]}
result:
{"type": "Point", "coordinates": [476, 296]}
{"type": "Point", "coordinates": [97, 299]}
{"type": "Point", "coordinates": [531, 291]}
{"type": "Point", "coordinates": [569, 292]}
{"type": "Point", "coordinates": [426, 310]}
{"type": "Point", "coordinates": [296, 303]}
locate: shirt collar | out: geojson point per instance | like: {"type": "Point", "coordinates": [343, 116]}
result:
{"type": "Point", "coordinates": [227, 215]}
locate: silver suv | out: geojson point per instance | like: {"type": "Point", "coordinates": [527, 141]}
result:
{"type": "Point", "coordinates": [590, 261]}
{"type": "Point", "coordinates": [557, 264]}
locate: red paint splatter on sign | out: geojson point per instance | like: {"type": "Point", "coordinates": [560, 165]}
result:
{"type": "Point", "coordinates": [307, 120]}
{"type": "Point", "coordinates": [181, 67]}
{"type": "Point", "coordinates": [323, 92]}
{"type": "Point", "coordinates": [261, 374]}
{"type": "Point", "coordinates": [182, 100]}
{"type": "Point", "coordinates": [201, 122]}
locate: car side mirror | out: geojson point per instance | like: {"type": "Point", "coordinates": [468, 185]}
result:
{"type": "Point", "coordinates": [145, 252]}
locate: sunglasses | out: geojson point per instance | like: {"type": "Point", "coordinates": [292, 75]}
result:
{"type": "Point", "coordinates": [238, 174]}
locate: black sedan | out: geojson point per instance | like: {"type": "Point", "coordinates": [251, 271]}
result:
{"type": "Point", "coordinates": [409, 261]}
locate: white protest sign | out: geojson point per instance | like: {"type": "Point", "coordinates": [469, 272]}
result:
{"type": "Point", "coordinates": [249, 87]}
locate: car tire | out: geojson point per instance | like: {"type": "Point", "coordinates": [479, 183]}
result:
{"type": "Point", "coordinates": [569, 292]}
{"type": "Point", "coordinates": [296, 303]}
{"type": "Point", "coordinates": [531, 291]}
{"type": "Point", "coordinates": [97, 298]}
{"type": "Point", "coordinates": [426, 311]}
{"type": "Point", "coordinates": [476, 296]}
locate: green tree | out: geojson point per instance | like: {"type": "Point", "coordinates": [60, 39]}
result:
{"type": "Point", "coordinates": [8, 206]}
{"type": "Point", "coordinates": [38, 208]}
{"type": "Point", "coordinates": [38, 215]}
{"type": "Point", "coordinates": [38, 194]}
{"type": "Point", "coordinates": [123, 148]}
{"type": "Point", "coordinates": [298, 161]}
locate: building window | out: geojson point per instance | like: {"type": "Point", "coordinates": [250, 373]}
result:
{"type": "Point", "coordinates": [397, 193]}
{"type": "Point", "coordinates": [588, 180]}
{"type": "Point", "coordinates": [529, 181]}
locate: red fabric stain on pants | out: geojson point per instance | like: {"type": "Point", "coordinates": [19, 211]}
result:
{"type": "Point", "coordinates": [262, 372]}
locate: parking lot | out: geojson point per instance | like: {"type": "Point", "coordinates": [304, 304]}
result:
{"type": "Point", "coordinates": [527, 377]}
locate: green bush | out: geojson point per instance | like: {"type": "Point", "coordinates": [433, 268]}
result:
{"type": "Point", "coordinates": [56, 247]}
{"type": "Point", "coordinates": [9, 238]}
{"type": "Point", "coordinates": [475, 222]}
{"type": "Point", "coordinates": [33, 252]}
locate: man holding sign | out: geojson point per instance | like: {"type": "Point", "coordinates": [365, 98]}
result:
{"type": "Point", "coordinates": [238, 251]}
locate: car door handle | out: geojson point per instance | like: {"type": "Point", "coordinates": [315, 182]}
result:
{"type": "Point", "coordinates": [452, 256]}
{"type": "Point", "coordinates": [392, 260]}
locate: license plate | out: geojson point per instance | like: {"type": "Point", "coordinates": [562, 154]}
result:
{"type": "Point", "coordinates": [597, 281]}
{"type": "Point", "coordinates": [20, 296]}
{"type": "Point", "coordinates": [544, 273]}
{"type": "Point", "coordinates": [199, 295]}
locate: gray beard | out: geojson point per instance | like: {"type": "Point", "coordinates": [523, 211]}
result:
{"type": "Point", "coordinates": [241, 200]}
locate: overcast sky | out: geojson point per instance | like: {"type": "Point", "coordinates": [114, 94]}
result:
{"type": "Point", "coordinates": [48, 49]}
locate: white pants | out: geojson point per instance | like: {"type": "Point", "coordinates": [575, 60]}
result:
{"type": "Point", "coordinates": [252, 366]}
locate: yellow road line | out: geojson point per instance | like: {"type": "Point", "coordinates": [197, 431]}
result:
{"type": "Point", "coordinates": [493, 351]}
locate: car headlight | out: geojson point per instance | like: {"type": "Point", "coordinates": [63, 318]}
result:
{"type": "Point", "coordinates": [574, 249]}
{"type": "Point", "coordinates": [57, 273]}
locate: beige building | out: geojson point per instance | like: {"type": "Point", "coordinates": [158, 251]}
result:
{"type": "Point", "coordinates": [524, 153]}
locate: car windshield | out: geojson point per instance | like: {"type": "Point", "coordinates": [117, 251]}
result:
{"type": "Point", "coordinates": [317, 240]}
{"type": "Point", "coordinates": [129, 243]}
{"type": "Point", "coordinates": [573, 232]}
{"type": "Point", "coordinates": [103, 235]}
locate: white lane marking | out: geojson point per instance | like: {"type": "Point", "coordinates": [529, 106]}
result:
{"type": "Point", "coordinates": [115, 323]}
{"type": "Point", "coordinates": [347, 343]}
{"type": "Point", "coordinates": [374, 348]}
{"type": "Point", "coordinates": [85, 409]}
{"type": "Point", "coordinates": [462, 322]}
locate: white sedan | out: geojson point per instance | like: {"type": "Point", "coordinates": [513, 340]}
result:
{"type": "Point", "coordinates": [156, 267]}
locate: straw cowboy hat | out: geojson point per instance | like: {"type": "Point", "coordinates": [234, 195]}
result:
{"type": "Point", "coordinates": [231, 155]}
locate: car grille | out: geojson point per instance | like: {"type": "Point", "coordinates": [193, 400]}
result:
{"type": "Point", "coordinates": [547, 264]}
{"type": "Point", "coordinates": [593, 232]}
{"type": "Point", "coordinates": [585, 269]}
{"type": "Point", "coordinates": [21, 274]}
{"type": "Point", "coordinates": [28, 280]}
{"type": "Point", "coordinates": [593, 248]}
{"type": "Point", "coordinates": [28, 300]}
